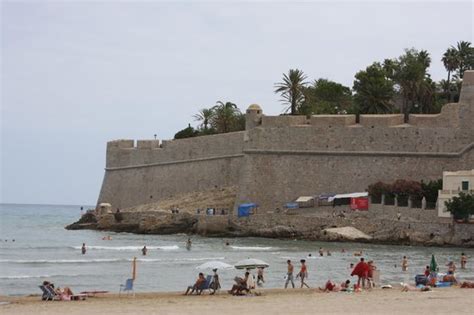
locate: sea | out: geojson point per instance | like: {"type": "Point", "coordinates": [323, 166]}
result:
{"type": "Point", "coordinates": [35, 246]}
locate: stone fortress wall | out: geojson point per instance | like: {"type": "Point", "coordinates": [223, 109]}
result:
{"type": "Point", "coordinates": [279, 158]}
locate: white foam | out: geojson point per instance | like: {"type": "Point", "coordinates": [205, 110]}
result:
{"type": "Point", "coordinates": [251, 247]}
{"type": "Point", "coordinates": [62, 261]}
{"type": "Point", "coordinates": [128, 248]}
{"type": "Point", "coordinates": [36, 276]}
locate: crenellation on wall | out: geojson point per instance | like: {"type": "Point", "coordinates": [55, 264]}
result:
{"type": "Point", "coordinates": [283, 121]}
{"type": "Point", "coordinates": [387, 120]}
{"type": "Point", "coordinates": [148, 144]}
{"type": "Point", "coordinates": [121, 144]}
{"type": "Point", "coordinates": [329, 121]}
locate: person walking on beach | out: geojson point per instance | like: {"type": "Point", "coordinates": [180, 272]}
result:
{"type": "Point", "coordinates": [303, 274]}
{"type": "Point", "coordinates": [83, 249]}
{"type": "Point", "coordinates": [289, 274]}
{"type": "Point", "coordinates": [404, 263]}
{"type": "Point", "coordinates": [463, 261]}
{"type": "Point", "coordinates": [144, 250]}
{"type": "Point", "coordinates": [215, 284]}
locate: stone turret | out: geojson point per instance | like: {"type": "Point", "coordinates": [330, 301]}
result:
{"type": "Point", "coordinates": [467, 90]}
{"type": "Point", "coordinates": [253, 116]}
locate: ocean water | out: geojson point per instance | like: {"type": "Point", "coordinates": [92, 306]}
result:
{"type": "Point", "coordinates": [43, 250]}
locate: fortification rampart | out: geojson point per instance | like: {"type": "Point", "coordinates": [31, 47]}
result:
{"type": "Point", "coordinates": [279, 158]}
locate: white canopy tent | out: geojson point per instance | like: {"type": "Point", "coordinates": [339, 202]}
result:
{"type": "Point", "coordinates": [351, 195]}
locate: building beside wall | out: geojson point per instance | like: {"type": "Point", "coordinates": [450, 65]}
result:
{"type": "Point", "coordinates": [453, 183]}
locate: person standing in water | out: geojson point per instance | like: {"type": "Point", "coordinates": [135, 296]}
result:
{"type": "Point", "coordinates": [404, 263]}
{"type": "Point", "coordinates": [144, 250]}
{"type": "Point", "coordinates": [289, 274]}
{"type": "Point", "coordinates": [463, 261]}
{"type": "Point", "coordinates": [83, 248]}
{"type": "Point", "coordinates": [303, 274]}
{"type": "Point", "coordinates": [188, 244]}
{"type": "Point", "coordinates": [321, 252]}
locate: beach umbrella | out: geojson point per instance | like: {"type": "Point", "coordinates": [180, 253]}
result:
{"type": "Point", "coordinates": [214, 264]}
{"type": "Point", "coordinates": [251, 263]}
{"type": "Point", "coordinates": [134, 268]}
{"type": "Point", "coordinates": [433, 264]}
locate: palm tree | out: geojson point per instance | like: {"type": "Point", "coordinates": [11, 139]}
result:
{"type": "Point", "coordinates": [373, 90]}
{"type": "Point", "coordinates": [204, 115]}
{"type": "Point", "coordinates": [466, 56]}
{"type": "Point", "coordinates": [291, 89]}
{"type": "Point", "coordinates": [225, 116]}
{"type": "Point", "coordinates": [451, 62]}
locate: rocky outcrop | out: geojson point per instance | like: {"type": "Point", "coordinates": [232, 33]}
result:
{"type": "Point", "coordinates": [351, 228]}
{"type": "Point", "coordinates": [346, 233]}
{"type": "Point", "coordinates": [87, 222]}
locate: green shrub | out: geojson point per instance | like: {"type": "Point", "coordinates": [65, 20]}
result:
{"type": "Point", "coordinates": [461, 207]}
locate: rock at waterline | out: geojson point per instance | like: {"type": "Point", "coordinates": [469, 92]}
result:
{"type": "Point", "coordinates": [347, 233]}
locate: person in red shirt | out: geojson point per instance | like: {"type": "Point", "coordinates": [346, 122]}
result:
{"type": "Point", "coordinates": [361, 270]}
{"type": "Point", "coordinates": [427, 271]}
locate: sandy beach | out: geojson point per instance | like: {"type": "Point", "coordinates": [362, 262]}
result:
{"type": "Point", "coordinates": [272, 301]}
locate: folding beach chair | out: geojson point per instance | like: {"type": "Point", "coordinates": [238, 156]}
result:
{"type": "Point", "coordinates": [48, 293]}
{"type": "Point", "coordinates": [205, 286]}
{"type": "Point", "coordinates": [127, 287]}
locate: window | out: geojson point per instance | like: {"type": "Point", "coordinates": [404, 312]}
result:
{"type": "Point", "coordinates": [465, 185]}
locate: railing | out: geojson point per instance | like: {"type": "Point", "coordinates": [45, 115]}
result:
{"type": "Point", "coordinates": [455, 191]}
{"type": "Point", "coordinates": [403, 201]}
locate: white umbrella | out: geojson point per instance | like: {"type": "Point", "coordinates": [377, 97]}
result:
{"type": "Point", "coordinates": [251, 263]}
{"type": "Point", "coordinates": [214, 264]}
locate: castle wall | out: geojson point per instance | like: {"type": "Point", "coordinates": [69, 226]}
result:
{"type": "Point", "coordinates": [271, 179]}
{"type": "Point", "coordinates": [135, 176]}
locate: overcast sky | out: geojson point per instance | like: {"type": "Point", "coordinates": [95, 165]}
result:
{"type": "Point", "coordinates": [77, 74]}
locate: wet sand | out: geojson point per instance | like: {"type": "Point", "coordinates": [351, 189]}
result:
{"type": "Point", "coordinates": [272, 301]}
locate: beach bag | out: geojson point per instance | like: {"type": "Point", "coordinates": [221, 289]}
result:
{"type": "Point", "coordinates": [421, 279]}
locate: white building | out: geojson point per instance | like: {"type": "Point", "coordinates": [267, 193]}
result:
{"type": "Point", "coordinates": [453, 183]}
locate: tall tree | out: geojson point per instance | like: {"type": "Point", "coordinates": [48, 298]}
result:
{"type": "Point", "coordinates": [205, 115]}
{"type": "Point", "coordinates": [451, 62]}
{"type": "Point", "coordinates": [409, 72]}
{"type": "Point", "coordinates": [466, 56]}
{"type": "Point", "coordinates": [291, 90]}
{"type": "Point", "coordinates": [326, 97]}
{"type": "Point", "coordinates": [374, 90]}
{"type": "Point", "coordinates": [226, 117]}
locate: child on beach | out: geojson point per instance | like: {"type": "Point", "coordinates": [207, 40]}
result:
{"type": "Point", "coordinates": [303, 274]}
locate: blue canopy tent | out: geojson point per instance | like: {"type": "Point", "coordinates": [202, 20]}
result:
{"type": "Point", "coordinates": [245, 209]}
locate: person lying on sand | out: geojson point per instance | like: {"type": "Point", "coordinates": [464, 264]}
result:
{"type": "Point", "coordinates": [467, 285]}
{"type": "Point", "coordinates": [65, 294]}
{"type": "Point", "coordinates": [199, 282]}
{"type": "Point", "coordinates": [406, 287]}
{"type": "Point", "coordinates": [346, 285]}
